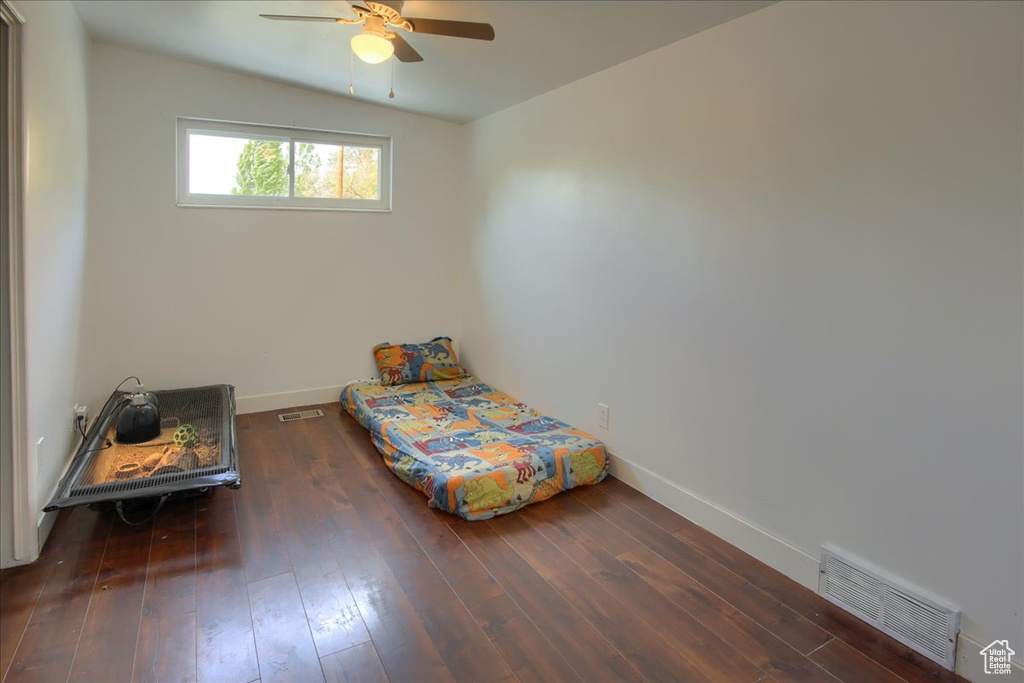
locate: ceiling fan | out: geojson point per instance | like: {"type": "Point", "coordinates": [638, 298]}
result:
{"type": "Point", "coordinates": [376, 43]}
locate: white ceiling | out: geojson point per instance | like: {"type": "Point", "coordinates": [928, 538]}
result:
{"type": "Point", "coordinates": [539, 44]}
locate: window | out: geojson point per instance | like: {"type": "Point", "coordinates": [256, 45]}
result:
{"type": "Point", "coordinates": [243, 165]}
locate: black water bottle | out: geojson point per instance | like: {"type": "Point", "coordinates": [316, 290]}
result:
{"type": "Point", "coordinates": [138, 422]}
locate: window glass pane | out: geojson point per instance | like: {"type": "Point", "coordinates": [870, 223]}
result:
{"type": "Point", "coordinates": [327, 170]}
{"type": "Point", "coordinates": [230, 165]}
{"type": "Point", "coordinates": [362, 167]}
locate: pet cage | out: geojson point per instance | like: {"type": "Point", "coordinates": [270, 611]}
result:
{"type": "Point", "coordinates": [194, 450]}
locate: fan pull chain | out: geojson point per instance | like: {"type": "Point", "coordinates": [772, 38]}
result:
{"type": "Point", "coordinates": [351, 72]}
{"type": "Point", "coordinates": [391, 95]}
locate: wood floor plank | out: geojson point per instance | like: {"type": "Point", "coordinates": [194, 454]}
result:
{"type": "Point", "coordinates": [284, 644]}
{"type": "Point", "coordinates": [665, 518]}
{"type": "Point", "coordinates": [716, 658]}
{"type": "Point", "coordinates": [368, 459]}
{"type": "Point", "coordinates": [759, 606]}
{"type": "Point", "coordinates": [383, 607]}
{"type": "Point", "coordinates": [465, 648]}
{"type": "Point", "coordinates": [404, 645]}
{"type": "Point", "coordinates": [472, 581]}
{"type": "Point", "coordinates": [850, 666]}
{"type": "Point", "coordinates": [174, 658]}
{"type": "Point", "coordinates": [20, 588]}
{"type": "Point", "coordinates": [509, 628]}
{"type": "Point", "coordinates": [226, 647]}
{"type": "Point", "coordinates": [756, 643]}
{"type": "Point", "coordinates": [357, 664]}
{"type": "Point", "coordinates": [261, 540]}
{"type": "Point", "coordinates": [623, 618]}
{"type": "Point", "coordinates": [166, 648]}
{"type": "Point", "coordinates": [317, 466]}
{"type": "Point", "coordinates": [332, 613]}
{"type": "Point", "coordinates": [653, 657]}
{"type": "Point", "coordinates": [590, 654]}
{"type": "Point", "coordinates": [345, 421]}
{"type": "Point", "coordinates": [115, 607]}
{"type": "Point", "coordinates": [613, 538]}
{"type": "Point", "coordinates": [48, 645]}
{"type": "Point", "coordinates": [405, 648]}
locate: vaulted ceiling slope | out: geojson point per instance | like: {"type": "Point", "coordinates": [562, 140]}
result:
{"type": "Point", "coordinates": [539, 45]}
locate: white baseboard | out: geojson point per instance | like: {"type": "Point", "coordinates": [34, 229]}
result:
{"type": "Point", "coordinates": [971, 665]}
{"type": "Point", "coordinates": [748, 537]}
{"type": "Point", "coordinates": [46, 522]}
{"type": "Point", "coordinates": [286, 399]}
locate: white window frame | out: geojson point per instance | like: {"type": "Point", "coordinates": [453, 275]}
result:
{"type": "Point", "coordinates": [292, 136]}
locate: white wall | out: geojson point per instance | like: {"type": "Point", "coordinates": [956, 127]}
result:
{"type": "Point", "coordinates": [55, 58]}
{"type": "Point", "coordinates": [270, 301]}
{"type": "Point", "coordinates": [787, 252]}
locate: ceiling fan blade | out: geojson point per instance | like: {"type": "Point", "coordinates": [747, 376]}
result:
{"type": "Point", "coordinates": [404, 50]}
{"type": "Point", "coordinates": [290, 17]}
{"type": "Point", "coordinates": [457, 29]}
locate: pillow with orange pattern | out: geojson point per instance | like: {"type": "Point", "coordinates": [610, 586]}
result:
{"type": "Point", "coordinates": [405, 363]}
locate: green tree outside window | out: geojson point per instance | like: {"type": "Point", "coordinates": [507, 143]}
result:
{"type": "Point", "coordinates": [262, 170]}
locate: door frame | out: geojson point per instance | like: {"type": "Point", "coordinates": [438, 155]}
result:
{"type": "Point", "coordinates": [26, 535]}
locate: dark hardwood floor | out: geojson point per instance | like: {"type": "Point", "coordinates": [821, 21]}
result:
{"type": "Point", "coordinates": [325, 566]}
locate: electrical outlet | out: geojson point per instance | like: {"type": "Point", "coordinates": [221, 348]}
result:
{"type": "Point", "coordinates": [81, 417]}
{"type": "Point", "coordinates": [602, 415]}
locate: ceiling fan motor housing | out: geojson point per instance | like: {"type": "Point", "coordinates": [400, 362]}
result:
{"type": "Point", "coordinates": [376, 25]}
{"type": "Point", "coordinates": [390, 10]}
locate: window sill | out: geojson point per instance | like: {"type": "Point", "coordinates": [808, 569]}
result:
{"type": "Point", "coordinates": [189, 205]}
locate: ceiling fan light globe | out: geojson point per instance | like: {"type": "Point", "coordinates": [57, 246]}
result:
{"type": "Point", "coordinates": [372, 49]}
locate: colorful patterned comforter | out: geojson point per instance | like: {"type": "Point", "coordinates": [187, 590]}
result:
{"type": "Point", "coordinates": [472, 449]}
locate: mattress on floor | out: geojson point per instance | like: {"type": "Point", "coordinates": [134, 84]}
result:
{"type": "Point", "coordinates": [471, 449]}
